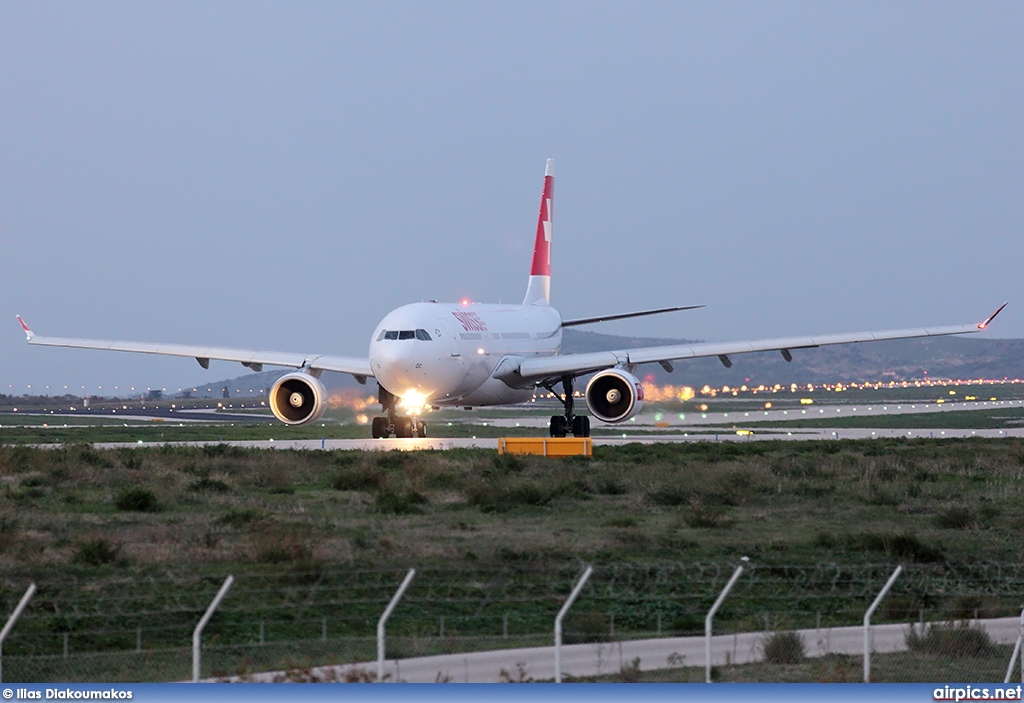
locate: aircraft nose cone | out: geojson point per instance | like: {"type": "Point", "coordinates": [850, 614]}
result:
{"type": "Point", "coordinates": [398, 366]}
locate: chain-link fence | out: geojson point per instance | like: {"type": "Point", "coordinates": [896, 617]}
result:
{"type": "Point", "coordinates": [630, 622]}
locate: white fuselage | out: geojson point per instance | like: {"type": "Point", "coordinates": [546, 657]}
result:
{"type": "Point", "coordinates": [454, 361]}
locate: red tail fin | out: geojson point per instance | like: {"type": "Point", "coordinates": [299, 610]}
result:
{"type": "Point", "coordinates": [539, 290]}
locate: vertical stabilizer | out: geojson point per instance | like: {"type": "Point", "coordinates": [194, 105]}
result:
{"type": "Point", "coordinates": [539, 290]}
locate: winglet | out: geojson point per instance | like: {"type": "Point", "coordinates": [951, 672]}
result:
{"type": "Point", "coordinates": [28, 330]}
{"type": "Point", "coordinates": [991, 317]}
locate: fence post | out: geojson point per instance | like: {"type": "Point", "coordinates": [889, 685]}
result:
{"type": "Point", "coordinates": [558, 621]}
{"type": "Point", "coordinates": [383, 620]}
{"type": "Point", "coordinates": [867, 621]}
{"type": "Point", "coordinates": [711, 614]}
{"type": "Point", "coordinates": [31, 591]}
{"type": "Point", "coordinates": [1016, 653]}
{"type": "Point", "coordinates": [198, 632]}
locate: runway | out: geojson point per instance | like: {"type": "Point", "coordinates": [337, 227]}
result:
{"type": "Point", "coordinates": [442, 444]}
{"type": "Point", "coordinates": [647, 428]}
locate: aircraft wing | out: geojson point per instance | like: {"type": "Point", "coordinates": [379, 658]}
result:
{"type": "Point", "coordinates": [554, 367]}
{"type": "Point", "coordinates": [253, 359]}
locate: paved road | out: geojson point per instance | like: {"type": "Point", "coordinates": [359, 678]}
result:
{"type": "Point", "coordinates": [608, 658]}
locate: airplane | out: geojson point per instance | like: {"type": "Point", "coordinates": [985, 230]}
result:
{"type": "Point", "coordinates": [475, 354]}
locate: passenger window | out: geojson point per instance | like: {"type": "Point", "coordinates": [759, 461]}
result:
{"type": "Point", "coordinates": [406, 334]}
{"type": "Point", "coordinates": [391, 334]}
{"type": "Point", "coordinates": [423, 335]}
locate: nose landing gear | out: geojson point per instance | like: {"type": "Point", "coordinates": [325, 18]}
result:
{"type": "Point", "coordinates": [561, 425]}
{"type": "Point", "coordinates": [393, 423]}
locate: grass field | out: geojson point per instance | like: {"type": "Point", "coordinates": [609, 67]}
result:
{"type": "Point", "coordinates": [132, 543]}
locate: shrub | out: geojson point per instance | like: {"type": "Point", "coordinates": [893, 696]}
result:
{"type": "Point", "coordinates": [955, 517]}
{"type": "Point", "coordinates": [629, 673]}
{"type": "Point", "coordinates": [396, 502]}
{"type": "Point", "coordinates": [129, 458]}
{"type": "Point", "coordinates": [238, 518]}
{"type": "Point", "coordinates": [97, 552]}
{"type": "Point", "coordinates": [351, 478]}
{"type": "Point", "coordinates": [221, 449]}
{"type": "Point", "coordinates": [702, 514]}
{"type": "Point", "coordinates": [611, 487]}
{"type": "Point", "coordinates": [275, 547]}
{"type": "Point", "coordinates": [670, 496]}
{"type": "Point", "coordinates": [502, 496]}
{"type": "Point", "coordinates": [507, 463]}
{"type": "Point", "coordinates": [209, 485]}
{"type": "Point", "coordinates": [784, 648]}
{"type": "Point", "coordinates": [949, 640]}
{"type": "Point", "coordinates": [898, 545]}
{"type": "Point", "coordinates": [395, 459]}
{"type": "Point", "coordinates": [88, 455]}
{"type": "Point", "coordinates": [139, 500]}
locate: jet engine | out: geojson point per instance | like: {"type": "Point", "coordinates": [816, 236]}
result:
{"type": "Point", "coordinates": [614, 395]}
{"type": "Point", "coordinates": [298, 398]}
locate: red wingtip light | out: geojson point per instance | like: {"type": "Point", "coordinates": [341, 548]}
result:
{"type": "Point", "coordinates": [991, 317]}
{"type": "Point", "coordinates": [465, 301]}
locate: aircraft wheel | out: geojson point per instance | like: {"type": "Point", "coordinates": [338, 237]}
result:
{"type": "Point", "coordinates": [558, 426]}
{"type": "Point", "coordinates": [377, 428]}
{"type": "Point", "coordinates": [581, 426]}
{"type": "Point", "coordinates": [403, 427]}
{"type": "Point", "coordinates": [421, 429]}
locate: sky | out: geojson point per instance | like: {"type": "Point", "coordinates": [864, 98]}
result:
{"type": "Point", "coordinates": [281, 175]}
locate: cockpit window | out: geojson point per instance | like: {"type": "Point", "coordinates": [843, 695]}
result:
{"type": "Point", "coordinates": [421, 334]}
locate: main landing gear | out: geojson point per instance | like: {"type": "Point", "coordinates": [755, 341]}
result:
{"type": "Point", "coordinates": [393, 423]}
{"type": "Point", "coordinates": [561, 425]}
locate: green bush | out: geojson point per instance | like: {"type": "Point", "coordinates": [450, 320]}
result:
{"type": "Point", "coordinates": [949, 640]}
{"type": "Point", "coordinates": [784, 648]}
{"type": "Point", "coordinates": [955, 517]}
{"type": "Point", "coordinates": [356, 478]}
{"type": "Point", "coordinates": [898, 545]}
{"type": "Point", "coordinates": [139, 500]}
{"type": "Point", "coordinates": [238, 518]}
{"type": "Point", "coordinates": [392, 501]}
{"type": "Point", "coordinates": [209, 485]}
{"type": "Point", "coordinates": [97, 552]}
{"type": "Point", "coordinates": [701, 514]}
{"type": "Point", "coordinates": [275, 547]}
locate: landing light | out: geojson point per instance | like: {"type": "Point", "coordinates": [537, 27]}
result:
{"type": "Point", "coordinates": [413, 401]}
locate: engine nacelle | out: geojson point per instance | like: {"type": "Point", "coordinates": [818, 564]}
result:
{"type": "Point", "coordinates": [298, 398]}
{"type": "Point", "coordinates": [614, 395]}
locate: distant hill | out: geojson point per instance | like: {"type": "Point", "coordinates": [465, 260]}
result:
{"type": "Point", "coordinates": [936, 357]}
